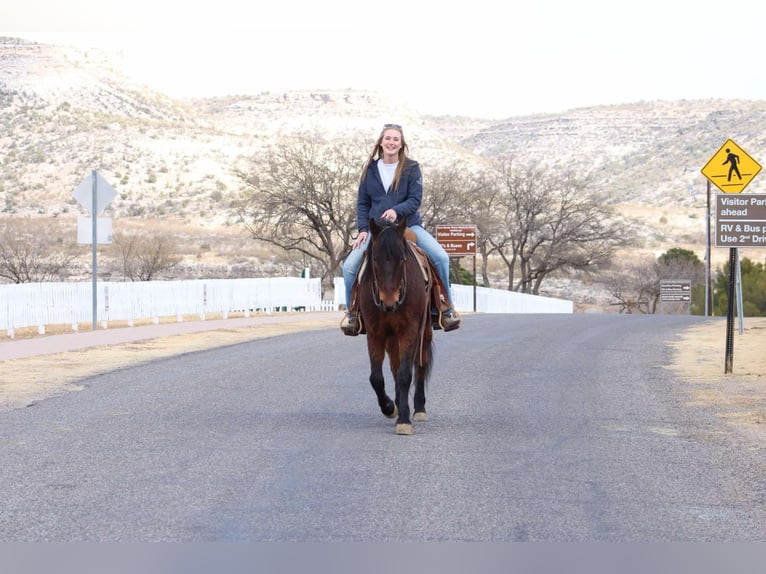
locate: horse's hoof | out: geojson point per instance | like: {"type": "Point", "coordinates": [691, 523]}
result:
{"type": "Point", "coordinates": [404, 428]}
{"type": "Point", "coordinates": [420, 417]}
{"type": "Point", "coordinates": [394, 414]}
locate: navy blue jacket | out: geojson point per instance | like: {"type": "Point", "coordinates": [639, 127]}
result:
{"type": "Point", "coordinates": [373, 200]}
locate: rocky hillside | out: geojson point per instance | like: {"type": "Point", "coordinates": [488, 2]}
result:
{"type": "Point", "coordinates": [64, 112]}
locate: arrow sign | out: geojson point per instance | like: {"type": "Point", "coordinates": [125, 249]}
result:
{"type": "Point", "coordinates": [457, 240]}
{"type": "Point", "coordinates": [83, 193]}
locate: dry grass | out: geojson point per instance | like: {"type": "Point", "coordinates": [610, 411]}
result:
{"type": "Point", "coordinates": [738, 397]}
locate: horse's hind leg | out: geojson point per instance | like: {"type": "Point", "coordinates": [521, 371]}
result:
{"type": "Point", "coordinates": [377, 354]}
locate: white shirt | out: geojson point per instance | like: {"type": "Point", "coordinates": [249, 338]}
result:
{"type": "Point", "coordinates": [387, 171]}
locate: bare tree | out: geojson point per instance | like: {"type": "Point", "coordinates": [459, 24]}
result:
{"type": "Point", "coordinates": [677, 263]}
{"type": "Point", "coordinates": [634, 287]}
{"type": "Point", "coordinates": [32, 251]}
{"type": "Point", "coordinates": [458, 194]}
{"type": "Point", "coordinates": [142, 257]}
{"type": "Point", "coordinates": [552, 223]}
{"type": "Point", "coordinates": [450, 196]}
{"type": "Point", "coordinates": [301, 197]}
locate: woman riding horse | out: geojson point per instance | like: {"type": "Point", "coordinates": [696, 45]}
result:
{"type": "Point", "coordinates": [391, 189]}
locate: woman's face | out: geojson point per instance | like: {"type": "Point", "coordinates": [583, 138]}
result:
{"type": "Point", "coordinates": [391, 142]}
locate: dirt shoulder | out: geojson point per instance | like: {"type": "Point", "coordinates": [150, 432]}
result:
{"type": "Point", "coordinates": [738, 397]}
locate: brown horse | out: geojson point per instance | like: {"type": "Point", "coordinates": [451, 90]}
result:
{"type": "Point", "coordinates": [395, 304]}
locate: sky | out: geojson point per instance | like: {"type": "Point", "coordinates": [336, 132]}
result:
{"type": "Point", "coordinates": [482, 58]}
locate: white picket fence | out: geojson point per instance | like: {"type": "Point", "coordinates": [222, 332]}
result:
{"type": "Point", "coordinates": [489, 300]}
{"type": "Point", "coordinates": [41, 304]}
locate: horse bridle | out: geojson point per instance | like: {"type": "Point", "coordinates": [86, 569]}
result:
{"type": "Point", "coordinates": [402, 283]}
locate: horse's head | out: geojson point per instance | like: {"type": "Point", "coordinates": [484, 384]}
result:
{"type": "Point", "coordinates": [387, 254]}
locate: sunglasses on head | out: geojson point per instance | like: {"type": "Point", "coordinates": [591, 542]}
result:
{"type": "Point", "coordinates": [396, 126]}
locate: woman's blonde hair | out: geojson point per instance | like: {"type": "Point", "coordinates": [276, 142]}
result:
{"type": "Point", "coordinates": [377, 153]}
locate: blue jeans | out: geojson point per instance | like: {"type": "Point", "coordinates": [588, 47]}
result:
{"type": "Point", "coordinates": [424, 240]}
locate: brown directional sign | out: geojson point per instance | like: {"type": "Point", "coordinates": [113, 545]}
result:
{"type": "Point", "coordinates": [457, 240]}
{"type": "Point", "coordinates": [675, 290]}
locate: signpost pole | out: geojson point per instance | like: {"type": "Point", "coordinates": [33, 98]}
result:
{"type": "Point", "coordinates": [708, 290]}
{"type": "Point", "coordinates": [474, 283]}
{"type": "Point", "coordinates": [740, 307]}
{"type": "Point", "coordinates": [93, 198]}
{"type": "Point", "coordinates": [730, 313]}
{"type": "Point", "coordinates": [94, 217]}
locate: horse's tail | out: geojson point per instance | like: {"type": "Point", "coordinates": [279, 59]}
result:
{"type": "Point", "coordinates": [429, 361]}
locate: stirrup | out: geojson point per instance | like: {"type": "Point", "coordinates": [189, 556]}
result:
{"type": "Point", "coordinates": [351, 324]}
{"type": "Point", "coordinates": [448, 320]}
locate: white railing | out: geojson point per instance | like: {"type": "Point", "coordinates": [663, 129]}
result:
{"type": "Point", "coordinates": [489, 300]}
{"type": "Point", "coordinates": [41, 304]}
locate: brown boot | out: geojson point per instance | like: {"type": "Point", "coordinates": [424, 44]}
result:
{"type": "Point", "coordinates": [450, 320]}
{"type": "Point", "coordinates": [350, 324]}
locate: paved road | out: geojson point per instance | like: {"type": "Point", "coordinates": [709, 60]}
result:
{"type": "Point", "coordinates": [543, 427]}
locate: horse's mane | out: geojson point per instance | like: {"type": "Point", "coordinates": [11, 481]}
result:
{"type": "Point", "coordinates": [387, 242]}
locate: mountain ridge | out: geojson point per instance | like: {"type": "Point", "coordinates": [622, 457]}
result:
{"type": "Point", "coordinates": [65, 111]}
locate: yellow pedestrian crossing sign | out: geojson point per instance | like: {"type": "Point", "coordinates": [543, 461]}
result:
{"type": "Point", "coordinates": [731, 169]}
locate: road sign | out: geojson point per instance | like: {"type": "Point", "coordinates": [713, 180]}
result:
{"type": "Point", "coordinates": [731, 168]}
{"type": "Point", "coordinates": [741, 220]}
{"type": "Point", "coordinates": [85, 230]}
{"type": "Point", "coordinates": [105, 193]}
{"type": "Point", "coordinates": [457, 240]}
{"type": "Point", "coordinates": [675, 290]}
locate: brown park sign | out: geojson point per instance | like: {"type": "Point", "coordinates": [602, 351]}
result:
{"type": "Point", "coordinates": [457, 240]}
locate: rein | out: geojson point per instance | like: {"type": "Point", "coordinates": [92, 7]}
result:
{"type": "Point", "coordinates": [402, 283]}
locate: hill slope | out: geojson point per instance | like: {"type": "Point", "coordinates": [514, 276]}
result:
{"type": "Point", "coordinates": [65, 111]}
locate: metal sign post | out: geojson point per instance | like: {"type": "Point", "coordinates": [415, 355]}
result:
{"type": "Point", "coordinates": [94, 250]}
{"type": "Point", "coordinates": [94, 194]}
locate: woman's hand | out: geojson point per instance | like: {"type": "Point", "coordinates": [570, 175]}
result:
{"type": "Point", "coordinates": [360, 239]}
{"type": "Point", "coordinates": [389, 215]}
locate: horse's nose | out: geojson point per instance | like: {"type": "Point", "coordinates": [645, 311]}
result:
{"type": "Point", "coordinates": [388, 304]}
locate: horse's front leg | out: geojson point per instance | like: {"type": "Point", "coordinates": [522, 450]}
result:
{"type": "Point", "coordinates": [392, 350]}
{"type": "Point", "coordinates": [403, 381]}
{"type": "Point", "coordinates": [377, 354]}
{"type": "Point", "coordinates": [422, 371]}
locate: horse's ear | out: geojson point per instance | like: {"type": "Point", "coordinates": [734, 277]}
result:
{"type": "Point", "coordinates": [401, 226]}
{"type": "Point", "coordinates": [374, 227]}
